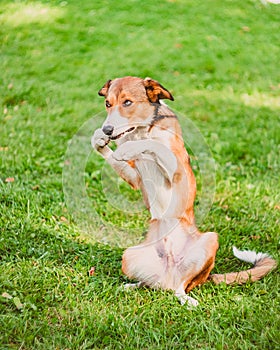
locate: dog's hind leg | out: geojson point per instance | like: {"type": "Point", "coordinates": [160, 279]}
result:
{"type": "Point", "coordinates": [198, 263]}
{"type": "Point", "coordinates": [143, 264]}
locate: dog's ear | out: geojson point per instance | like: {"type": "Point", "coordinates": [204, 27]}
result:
{"type": "Point", "coordinates": [155, 91]}
{"type": "Point", "coordinates": [104, 90]}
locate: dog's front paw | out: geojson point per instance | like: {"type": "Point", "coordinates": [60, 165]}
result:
{"type": "Point", "coordinates": [120, 155]}
{"type": "Point", "coordinates": [99, 139]}
{"type": "Point", "coordinates": [126, 152]}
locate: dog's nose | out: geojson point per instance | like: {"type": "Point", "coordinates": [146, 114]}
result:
{"type": "Point", "coordinates": [108, 130]}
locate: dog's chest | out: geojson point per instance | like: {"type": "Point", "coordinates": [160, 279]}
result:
{"type": "Point", "coordinates": [156, 190]}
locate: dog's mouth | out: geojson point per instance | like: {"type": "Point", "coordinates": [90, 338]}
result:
{"type": "Point", "coordinates": [115, 137]}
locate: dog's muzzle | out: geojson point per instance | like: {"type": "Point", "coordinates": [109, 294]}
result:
{"type": "Point", "coordinates": [108, 130]}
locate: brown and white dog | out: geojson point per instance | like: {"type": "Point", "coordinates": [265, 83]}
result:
{"type": "Point", "coordinates": [151, 156]}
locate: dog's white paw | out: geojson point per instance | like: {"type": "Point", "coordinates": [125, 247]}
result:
{"type": "Point", "coordinates": [184, 298]}
{"type": "Point", "coordinates": [130, 150]}
{"type": "Point", "coordinates": [120, 154]}
{"type": "Point", "coordinates": [133, 285]}
{"type": "Point", "coordinates": [126, 152]}
{"type": "Point", "coordinates": [99, 139]}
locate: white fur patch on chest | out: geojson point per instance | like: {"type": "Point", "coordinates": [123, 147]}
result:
{"type": "Point", "coordinates": [159, 193]}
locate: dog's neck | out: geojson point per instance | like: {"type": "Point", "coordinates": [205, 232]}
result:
{"type": "Point", "coordinates": [144, 131]}
{"type": "Point", "coordinates": [161, 111]}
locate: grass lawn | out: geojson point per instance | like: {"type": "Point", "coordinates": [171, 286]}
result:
{"type": "Point", "coordinates": [221, 60]}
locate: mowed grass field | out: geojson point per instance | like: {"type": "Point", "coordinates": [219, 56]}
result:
{"type": "Point", "coordinates": [220, 60]}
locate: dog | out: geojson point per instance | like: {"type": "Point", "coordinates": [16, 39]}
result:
{"type": "Point", "coordinates": [151, 156]}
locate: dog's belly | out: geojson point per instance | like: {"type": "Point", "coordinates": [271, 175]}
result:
{"type": "Point", "coordinates": [174, 249]}
{"type": "Point", "coordinates": [156, 190]}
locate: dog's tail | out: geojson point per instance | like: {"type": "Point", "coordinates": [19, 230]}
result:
{"type": "Point", "coordinates": [263, 264]}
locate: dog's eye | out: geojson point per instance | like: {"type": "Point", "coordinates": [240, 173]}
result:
{"type": "Point", "coordinates": [108, 104]}
{"type": "Point", "coordinates": [127, 103]}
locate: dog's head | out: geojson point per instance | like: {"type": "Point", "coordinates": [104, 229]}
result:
{"type": "Point", "coordinates": [130, 104]}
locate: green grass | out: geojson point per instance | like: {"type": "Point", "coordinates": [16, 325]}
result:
{"type": "Point", "coordinates": [221, 62]}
